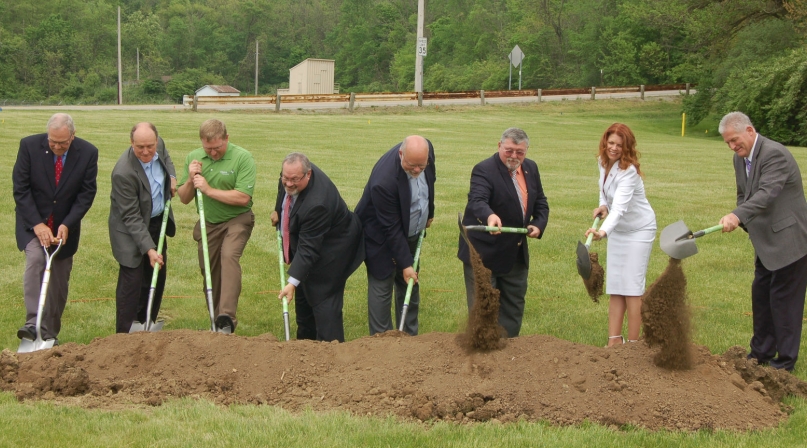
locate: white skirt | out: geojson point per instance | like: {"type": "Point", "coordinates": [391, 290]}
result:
{"type": "Point", "coordinates": [627, 259]}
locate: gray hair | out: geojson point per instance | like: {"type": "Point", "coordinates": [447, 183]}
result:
{"type": "Point", "coordinates": [61, 120]}
{"type": "Point", "coordinates": [735, 120]}
{"type": "Point", "coordinates": [516, 135]}
{"type": "Point", "coordinates": [298, 157]}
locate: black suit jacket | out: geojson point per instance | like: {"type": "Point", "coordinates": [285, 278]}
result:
{"type": "Point", "coordinates": [384, 213]}
{"type": "Point", "coordinates": [325, 238]}
{"type": "Point", "coordinates": [131, 205]}
{"type": "Point", "coordinates": [37, 196]}
{"type": "Point", "coordinates": [492, 192]}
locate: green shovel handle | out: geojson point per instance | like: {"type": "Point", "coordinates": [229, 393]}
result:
{"type": "Point", "coordinates": [703, 232]}
{"type": "Point", "coordinates": [591, 235]}
{"type": "Point", "coordinates": [496, 229]}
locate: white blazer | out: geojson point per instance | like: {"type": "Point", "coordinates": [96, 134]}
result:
{"type": "Point", "coordinates": [623, 193]}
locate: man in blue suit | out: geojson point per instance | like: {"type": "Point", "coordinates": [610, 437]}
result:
{"type": "Point", "coordinates": [505, 191]}
{"type": "Point", "coordinates": [397, 204]}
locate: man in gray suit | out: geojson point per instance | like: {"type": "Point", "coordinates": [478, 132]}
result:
{"type": "Point", "coordinates": [142, 180]}
{"type": "Point", "coordinates": [772, 209]}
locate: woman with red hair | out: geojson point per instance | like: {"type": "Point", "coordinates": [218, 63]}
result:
{"type": "Point", "coordinates": [629, 225]}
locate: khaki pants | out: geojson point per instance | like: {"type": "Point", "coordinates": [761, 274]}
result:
{"type": "Point", "coordinates": [225, 243]}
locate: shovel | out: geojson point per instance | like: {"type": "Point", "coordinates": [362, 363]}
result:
{"type": "Point", "coordinates": [411, 282]}
{"type": "Point", "coordinates": [583, 259]}
{"type": "Point", "coordinates": [27, 345]}
{"type": "Point", "coordinates": [495, 229]}
{"type": "Point", "coordinates": [148, 325]}
{"type": "Point", "coordinates": [208, 281]}
{"type": "Point", "coordinates": [280, 263]}
{"type": "Point", "coordinates": [678, 241]}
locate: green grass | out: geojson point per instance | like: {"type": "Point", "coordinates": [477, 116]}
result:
{"type": "Point", "coordinates": [687, 178]}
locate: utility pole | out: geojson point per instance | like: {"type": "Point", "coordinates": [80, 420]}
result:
{"type": "Point", "coordinates": [120, 74]}
{"type": "Point", "coordinates": [138, 65]}
{"type": "Point", "coordinates": [419, 57]}
{"type": "Point", "coordinates": [256, 67]}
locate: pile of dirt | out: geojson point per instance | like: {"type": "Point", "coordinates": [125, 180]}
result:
{"type": "Point", "coordinates": [666, 318]}
{"type": "Point", "coordinates": [594, 283]}
{"type": "Point", "coordinates": [427, 377]}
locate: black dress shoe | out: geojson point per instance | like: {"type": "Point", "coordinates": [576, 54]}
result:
{"type": "Point", "coordinates": [26, 332]}
{"type": "Point", "coordinates": [224, 324]}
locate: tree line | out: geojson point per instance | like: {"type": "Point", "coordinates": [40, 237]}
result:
{"type": "Point", "coordinates": [742, 54]}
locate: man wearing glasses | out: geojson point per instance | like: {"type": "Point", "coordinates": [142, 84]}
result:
{"type": "Point", "coordinates": [225, 174]}
{"type": "Point", "coordinates": [397, 204]}
{"type": "Point", "coordinates": [54, 187]}
{"type": "Point", "coordinates": [322, 243]}
{"type": "Point", "coordinates": [505, 191]}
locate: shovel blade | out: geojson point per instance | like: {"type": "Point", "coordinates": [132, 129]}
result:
{"type": "Point", "coordinates": [154, 327]}
{"type": "Point", "coordinates": [675, 241]}
{"type": "Point", "coordinates": [583, 261]}
{"type": "Point", "coordinates": [28, 346]}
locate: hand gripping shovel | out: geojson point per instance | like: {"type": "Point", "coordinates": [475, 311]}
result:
{"type": "Point", "coordinates": [583, 259]}
{"type": "Point", "coordinates": [208, 281]}
{"type": "Point", "coordinates": [280, 263]}
{"type": "Point", "coordinates": [27, 345]}
{"type": "Point", "coordinates": [411, 282]}
{"type": "Point", "coordinates": [148, 325]}
{"type": "Point", "coordinates": [678, 241]}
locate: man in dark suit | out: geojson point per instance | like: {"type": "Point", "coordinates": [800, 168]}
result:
{"type": "Point", "coordinates": [322, 242]}
{"type": "Point", "coordinates": [54, 187]}
{"type": "Point", "coordinates": [397, 204]}
{"type": "Point", "coordinates": [772, 209]}
{"type": "Point", "coordinates": [505, 191]}
{"type": "Point", "coordinates": [142, 181]}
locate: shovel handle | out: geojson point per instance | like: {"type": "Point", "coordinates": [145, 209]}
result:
{"type": "Point", "coordinates": [496, 229]}
{"type": "Point", "coordinates": [703, 232]}
{"type": "Point", "coordinates": [591, 235]}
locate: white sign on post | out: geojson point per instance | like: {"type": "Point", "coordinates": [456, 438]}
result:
{"type": "Point", "coordinates": [516, 56]}
{"type": "Point", "coordinates": [421, 46]}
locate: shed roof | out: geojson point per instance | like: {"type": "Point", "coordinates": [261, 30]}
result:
{"type": "Point", "coordinates": [221, 89]}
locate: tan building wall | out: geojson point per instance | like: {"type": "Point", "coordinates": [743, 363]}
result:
{"type": "Point", "coordinates": [312, 76]}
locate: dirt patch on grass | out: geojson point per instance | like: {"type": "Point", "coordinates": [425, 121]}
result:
{"type": "Point", "coordinates": [428, 377]}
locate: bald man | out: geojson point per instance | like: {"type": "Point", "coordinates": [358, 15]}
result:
{"type": "Point", "coordinates": [142, 181]}
{"type": "Point", "coordinates": [397, 204]}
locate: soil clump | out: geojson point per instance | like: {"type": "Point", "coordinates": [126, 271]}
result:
{"type": "Point", "coordinates": [666, 318]}
{"type": "Point", "coordinates": [594, 283]}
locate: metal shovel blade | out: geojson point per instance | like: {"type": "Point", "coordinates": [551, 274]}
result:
{"type": "Point", "coordinates": [675, 241]}
{"type": "Point", "coordinates": [583, 261]}
{"type": "Point", "coordinates": [154, 327]}
{"type": "Point", "coordinates": [28, 346]}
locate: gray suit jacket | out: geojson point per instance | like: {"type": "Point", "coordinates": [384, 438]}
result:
{"type": "Point", "coordinates": [130, 208]}
{"type": "Point", "coordinates": [771, 204]}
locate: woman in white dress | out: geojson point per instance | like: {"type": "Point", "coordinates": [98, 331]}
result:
{"type": "Point", "coordinates": [630, 226]}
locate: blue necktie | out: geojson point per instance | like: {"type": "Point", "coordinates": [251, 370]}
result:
{"type": "Point", "coordinates": [747, 167]}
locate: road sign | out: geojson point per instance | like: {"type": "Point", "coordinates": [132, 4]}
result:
{"type": "Point", "coordinates": [421, 46]}
{"type": "Point", "coordinates": [516, 56]}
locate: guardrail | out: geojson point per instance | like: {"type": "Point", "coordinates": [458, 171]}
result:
{"type": "Point", "coordinates": [351, 98]}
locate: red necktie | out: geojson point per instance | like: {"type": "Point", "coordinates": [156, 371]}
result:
{"type": "Point", "coordinates": [285, 231]}
{"type": "Point", "coordinates": [58, 175]}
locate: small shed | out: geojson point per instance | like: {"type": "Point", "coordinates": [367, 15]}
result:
{"type": "Point", "coordinates": [211, 90]}
{"type": "Point", "coordinates": [311, 76]}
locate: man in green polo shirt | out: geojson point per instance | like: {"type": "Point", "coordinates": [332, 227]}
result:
{"type": "Point", "coordinates": [225, 174]}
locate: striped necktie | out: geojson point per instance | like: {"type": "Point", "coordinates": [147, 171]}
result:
{"type": "Point", "coordinates": [747, 167]}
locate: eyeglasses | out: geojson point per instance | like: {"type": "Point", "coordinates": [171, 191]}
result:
{"type": "Point", "coordinates": [510, 152]}
{"type": "Point", "coordinates": [292, 180]}
{"type": "Point", "coordinates": [412, 166]}
{"type": "Point", "coordinates": [215, 148]}
{"type": "Point", "coordinates": [61, 143]}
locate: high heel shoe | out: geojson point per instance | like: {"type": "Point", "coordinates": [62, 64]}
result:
{"type": "Point", "coordinates": [614, 337]}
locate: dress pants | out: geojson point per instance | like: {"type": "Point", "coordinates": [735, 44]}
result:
{"type": "Point", "coordinates": [134, 284]}
{"type": "Point", "coordinates": [323, 321]}
{"type": "Point", "coordinates": [379, 299]}
{"type": "Point", "coordinates": [56, 299]}
{"type": "Point", "coordinates": [225, 243]}
{"type": "Point", "coordinates": [777, 301]}
{"type": "Point", "coordinates": [512, 288]}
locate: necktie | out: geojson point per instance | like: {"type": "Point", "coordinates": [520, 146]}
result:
{"type": "Point", "coordinates": [57, 169]}
{"type": "Point", "coordinates": [747, 167]}
{"type": "Point", "coordinates": [285, 231]}
{"type": "Point", "coordinates": [518, 191]}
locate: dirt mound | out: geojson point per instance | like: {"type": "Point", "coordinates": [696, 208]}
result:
{"type": "Point", "coordinates": [666, 318]}
{"type": "Point", "coordinates": [428, 377]}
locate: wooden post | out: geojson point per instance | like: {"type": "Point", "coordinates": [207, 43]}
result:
{"type": "Point", "coordinates": [195, 101]}
{"type": "Point", "coordinates": [420, 99]}
{"type": "Point", "coordinates": [482, 96]}
{"type": "Point", "coordinates": [352, 99]}
{"type": "Point", "coordinates": [539, 95]}
{"type": "Point", "coordinates": [593, 92]}
{"type": "Point", "coordinates": [687, 89]}
{"type": "Point", "coordinates": [277, 103]}
{"type": "Point", "coordinates": [641, 91]}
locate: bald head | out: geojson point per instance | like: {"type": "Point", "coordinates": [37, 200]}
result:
{"type": "Point", "coordinates": [414, 153]}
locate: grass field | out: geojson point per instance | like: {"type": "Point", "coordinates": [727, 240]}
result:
{"type": "Point", "coordinates": [687, 178]}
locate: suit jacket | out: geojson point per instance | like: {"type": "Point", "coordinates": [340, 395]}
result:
{"type": "Point", "coordinates": [130, 207]}
{"type": "Point", "coordinates": [384, 213]}
{"type": "Point", "coordinates": [623, 193]}
{"type": "Point", "coordinates": [492, 192]}
{"type": "Point", "coordinates": [771, 204]}
{"type": "Point", "coordinates": [325, 238]}
{"type": "Point", "coordinates": [37, 196]}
